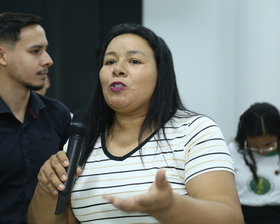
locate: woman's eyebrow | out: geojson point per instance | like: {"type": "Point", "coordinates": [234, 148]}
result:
{"type": "Point", "coordinates": [128, 52]}
{"type": "Point", "coordinates": [135, 52]}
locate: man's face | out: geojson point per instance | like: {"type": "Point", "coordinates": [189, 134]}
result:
{"type": "Point", "coordinates": [28, 62]}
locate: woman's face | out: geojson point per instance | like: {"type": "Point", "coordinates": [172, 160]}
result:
{"type": "Point", "coordinates": [264, 144]}
{"type": "Point", "coordinates": [129, 73]}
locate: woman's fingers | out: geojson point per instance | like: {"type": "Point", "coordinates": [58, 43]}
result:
{"type": "Point", "coordinates": [58, 164]}
{"type": "Point", "coordinates": [160, 180]}
{"type": "Point", "coordinates": [158, 198]}
{"type": "Point", "coordinates": [52, 174]}
{"type": "Point", "coordinates": [63, 159]}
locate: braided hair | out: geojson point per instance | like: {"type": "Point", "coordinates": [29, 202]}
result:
{"type": "Point", "coordinates": [258, 120]}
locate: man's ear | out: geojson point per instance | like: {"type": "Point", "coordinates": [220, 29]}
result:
{"type": "Point", "coordinates": [3, 52]}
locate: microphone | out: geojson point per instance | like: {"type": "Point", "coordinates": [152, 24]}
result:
{"type": "Point", "coordinates": [78, 131]}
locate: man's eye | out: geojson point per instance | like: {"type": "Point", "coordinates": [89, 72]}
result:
{"type": "Point", "coordinates": [34, 51]}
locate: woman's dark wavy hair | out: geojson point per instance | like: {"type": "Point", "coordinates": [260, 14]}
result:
{"type": "Point", "coordinates": [12, 23]}
{"type": "Point", "coordinates": [165, 99]}
{"type": "Point", "coordinates": [258, 120]}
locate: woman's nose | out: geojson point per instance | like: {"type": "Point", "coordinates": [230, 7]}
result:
{"type": "Point", "coordinates": [119, 69]}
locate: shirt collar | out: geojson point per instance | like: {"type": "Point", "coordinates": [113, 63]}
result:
{"type": "Point", "coordinates": [35, 104]}
{"type": "Point", "coordinates": [4, 107]}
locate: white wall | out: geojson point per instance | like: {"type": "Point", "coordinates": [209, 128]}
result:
{"type": "Point", "coordinates": [226, 53]}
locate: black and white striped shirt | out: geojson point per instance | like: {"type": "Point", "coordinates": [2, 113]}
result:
{"type": "Point", "coordinates": [195, 145]}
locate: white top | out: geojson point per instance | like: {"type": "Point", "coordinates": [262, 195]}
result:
{"type": "Point", "coordinates": [267, 192]}
{"type": "Point", "coordinates": [195, 146]}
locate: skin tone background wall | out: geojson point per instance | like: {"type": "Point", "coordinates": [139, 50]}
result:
{"type": "Point", "coordinates": [226, 53]}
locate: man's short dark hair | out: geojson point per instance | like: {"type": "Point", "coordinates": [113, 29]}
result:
{"type": "Point", "coordinates": [12, 23]}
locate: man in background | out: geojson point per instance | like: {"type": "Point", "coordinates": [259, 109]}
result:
{"type": "Point", "coordinates": [46, 85]}
{"type": "Point", "coordinates": [32, 126]}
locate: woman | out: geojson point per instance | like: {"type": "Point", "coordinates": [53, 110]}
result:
{"type": "Point", "coordinates": [147, 159]}
{"type": "Point", "coordinates": [256, 155]}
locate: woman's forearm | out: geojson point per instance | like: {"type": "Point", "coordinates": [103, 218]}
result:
{"type": "Point", "coordinates": [42, 209]}
{"type": "Point", "coordinates": [189, 210]}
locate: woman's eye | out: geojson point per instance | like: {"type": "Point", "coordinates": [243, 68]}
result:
{"type": "Point", "coordinates": [110, 62]}
{"type": "Point", "coordinates": [134, 61]}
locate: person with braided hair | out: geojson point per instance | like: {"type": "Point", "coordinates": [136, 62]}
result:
{"type": "Point", "coordinates": [255, 151]}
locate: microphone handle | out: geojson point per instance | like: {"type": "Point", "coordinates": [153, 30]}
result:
{"type": "Point", "coordinates": [74, 151]}
{"type": "Point", "coordinates": [75, 146]}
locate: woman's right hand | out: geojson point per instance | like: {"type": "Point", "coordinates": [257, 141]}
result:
{"type": "Point", "coordinates": [52, 174]}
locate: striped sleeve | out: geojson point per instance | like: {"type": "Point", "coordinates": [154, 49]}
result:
{"type": "Point", "coordinates": [205, 148]}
